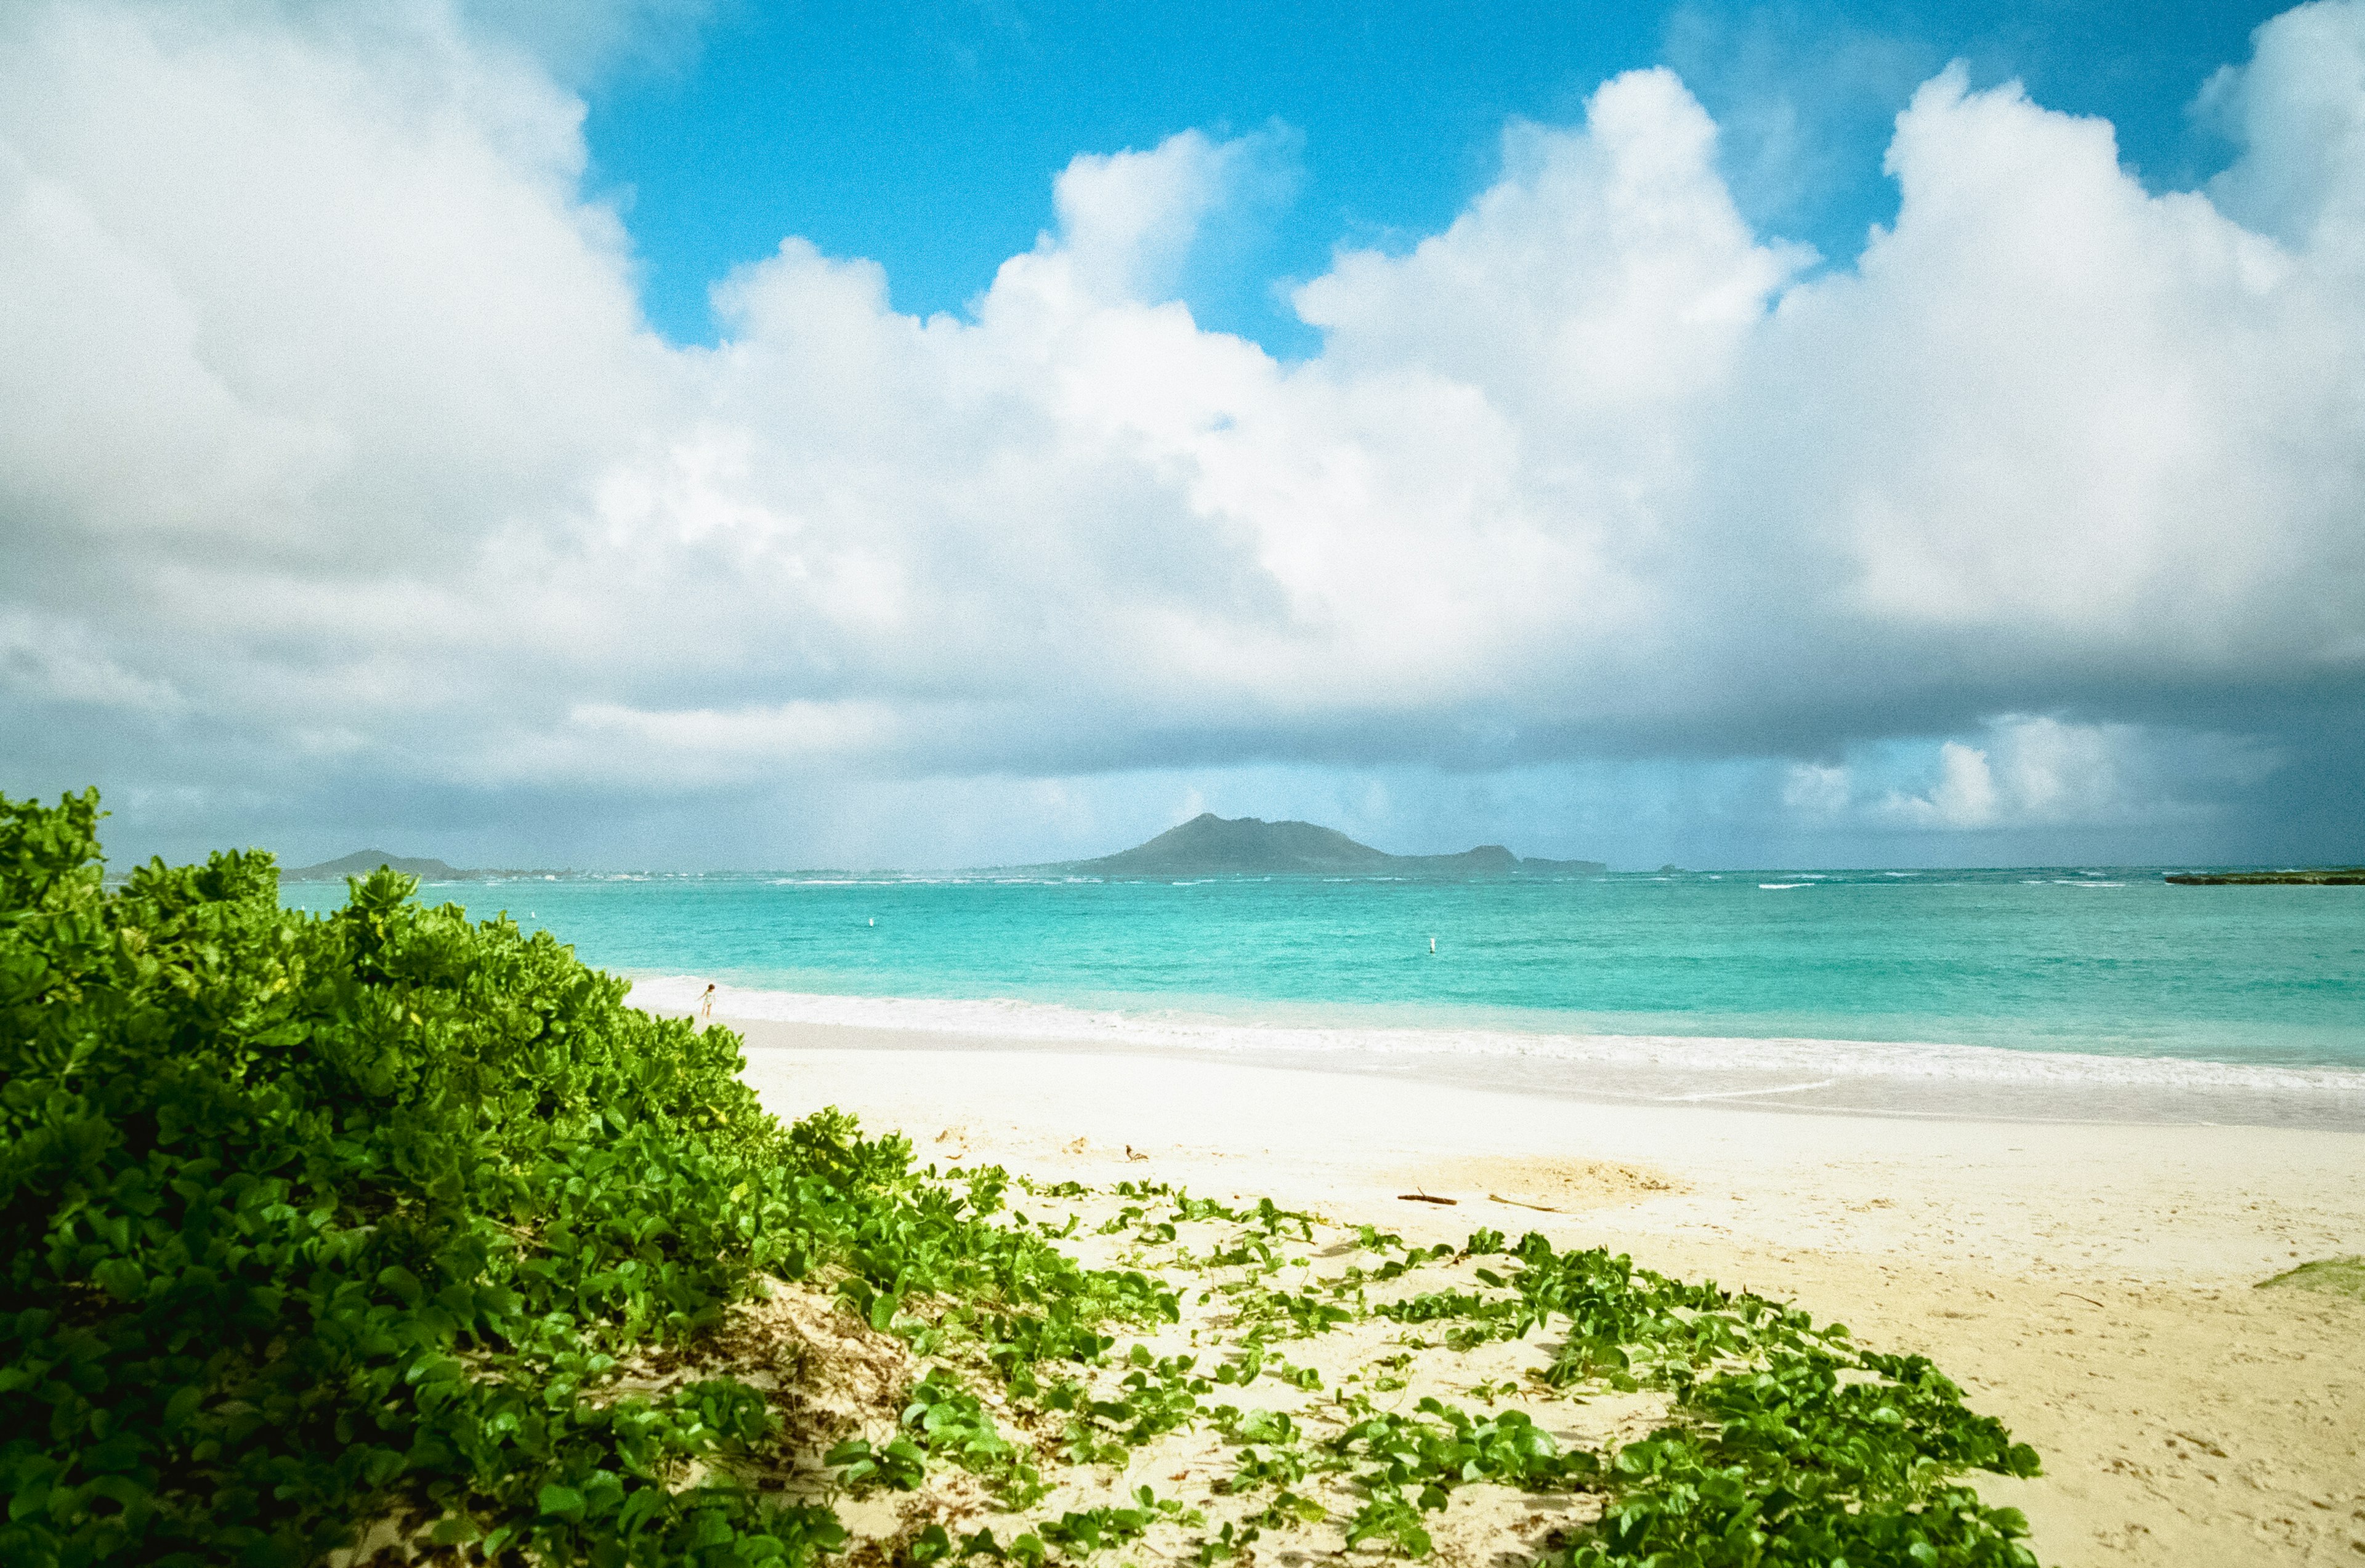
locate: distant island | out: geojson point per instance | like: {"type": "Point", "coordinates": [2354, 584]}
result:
{"type": "Point", "coordinates": [361, 862]}
{"type": "Point", "coordinates": [2335, 877]}
{"type": "Point", "coordinates": [1206, 846]}
{"type": "Point", "coordinates": [1210, 846]}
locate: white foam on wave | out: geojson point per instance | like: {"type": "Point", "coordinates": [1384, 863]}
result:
{"type": "Point", "coordinates": [1051, 1023]}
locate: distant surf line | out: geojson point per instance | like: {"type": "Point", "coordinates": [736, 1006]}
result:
{"type": "Point", "coordinates": [1793, 1057]}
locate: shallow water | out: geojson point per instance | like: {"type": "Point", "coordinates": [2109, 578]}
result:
{"type": "Point", "coordinates": [2089, 989]}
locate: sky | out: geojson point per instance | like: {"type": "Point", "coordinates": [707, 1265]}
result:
{"type": "Point", "coordinates": [651, 433]}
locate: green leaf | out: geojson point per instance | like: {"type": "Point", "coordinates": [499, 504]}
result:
{"type": "Point", "coordinates": [402, 1283]}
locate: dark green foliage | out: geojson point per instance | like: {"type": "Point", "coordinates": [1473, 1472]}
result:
{"type": "Point", "coordinates": [315, 1222]}
{"type": "Point", "coordinates": [1805, 1453]}
{"type": "Point", "coordinates": [1798, 1466]}
{"type": "Point", "coordinates": [1003, 1288]}
{"type": "Point", "coordinates": [312, 1221]}
{"type": "Point", "coordinates": [1788, 1446]}
{"type": "Point", "coordinates": [896, 1464]}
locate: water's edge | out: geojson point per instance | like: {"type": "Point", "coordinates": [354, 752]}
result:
{"type": "Point", "coordinates": [1842, 1077]}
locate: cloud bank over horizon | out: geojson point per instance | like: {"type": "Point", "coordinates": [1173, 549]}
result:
{"type": "Point", "coordinates": [346, 489]}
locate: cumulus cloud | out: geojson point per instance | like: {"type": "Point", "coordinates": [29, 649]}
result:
{"type": "Point", "coordinates": [1130, 220]}
{"type": "Point", "coordinates": [1815, 789]}
{"type": "Point", "coordinates": [2298, 110]}
{"type": "Point", "coordinates": [2020, 772]}
{"type": "Point", "coordinates": [333, 444]}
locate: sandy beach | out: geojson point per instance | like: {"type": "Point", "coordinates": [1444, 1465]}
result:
{"type": "Point", "coordinates": [2092, 1284]}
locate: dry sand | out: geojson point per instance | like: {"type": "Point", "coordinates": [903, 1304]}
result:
{"type": "Point", "coordinates": [2089, 1284]}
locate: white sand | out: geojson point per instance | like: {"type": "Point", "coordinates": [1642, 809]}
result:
{"type": "Point", "coordinates": [2088, 1285]}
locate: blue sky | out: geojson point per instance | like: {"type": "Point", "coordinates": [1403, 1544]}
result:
{"type": "Point", "coordinates": [925, 136]}
{"type": "Point", "coordinates": [655, 434]}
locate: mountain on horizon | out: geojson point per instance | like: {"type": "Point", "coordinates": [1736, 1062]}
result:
{"type": "Point", "coordinates": [1206, 846]}
{"type": "Point", "coordinates": [1210, 846]}
{"type": "Point", "coordinates": [361, 862]}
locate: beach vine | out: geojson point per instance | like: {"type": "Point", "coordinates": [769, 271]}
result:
{"type": "Point", "coordinates": [390, 1235]}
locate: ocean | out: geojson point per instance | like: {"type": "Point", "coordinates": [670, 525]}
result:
{"type": "Point", "coordinates": [2086, 993]}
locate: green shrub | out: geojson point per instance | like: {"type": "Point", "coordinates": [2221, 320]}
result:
{"type": "Point", "coordinates": [309, 1221]}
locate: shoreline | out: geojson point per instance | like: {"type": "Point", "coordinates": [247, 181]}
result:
{"type": "Point", "coordinates": [2090, 1284]}
{"type": "Point", "coordinates": [1831, 1077]}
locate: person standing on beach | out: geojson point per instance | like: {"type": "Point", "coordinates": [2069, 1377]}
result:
{"type": "Point", "coordinates": [706, 1005]}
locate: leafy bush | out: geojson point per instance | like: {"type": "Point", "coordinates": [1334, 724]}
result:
{"type": "Point", "coordinates": [309, 1221]}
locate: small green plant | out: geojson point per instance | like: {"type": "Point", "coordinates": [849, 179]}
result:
{"type": "Point", "coordinates": [1287, 1508]}
{"type": "Point", "coordinates": [952, 1424]}
{"type": "Point", "coordinates": [896, 1464]}
{"type": "Point", "coordinates": [1390, 1517]}
{"type": "Point", "coordinates": [1085, 1531]}
{"type": "Point", "coordinates": [1227, 1545]}
{"type": "Point", "coordinates": [2335, 1276]}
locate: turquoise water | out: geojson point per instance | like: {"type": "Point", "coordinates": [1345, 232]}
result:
{"type": "Point", "coordinates": [2112, 964]}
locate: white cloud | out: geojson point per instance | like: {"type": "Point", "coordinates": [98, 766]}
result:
{"type": "Point", "coordinates": [2053, 417]}
{"type": "Point", "coordinates": [2040, 771]}
{"type": "Point", "coordinates": [326, 407]}
{"type": "Point", "coordinates": [1127, 221]}
{"type": "Point", "coordinates": [582, 39]}
{"type": "Point", "coordinates": [2299, 111]}
{"type": "Point", "coordinates": [1817, 789]}
{"type": "Point", "coordinates": [1965, 796]}
{"type": "Point", "coordinates": [1607, 276]}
